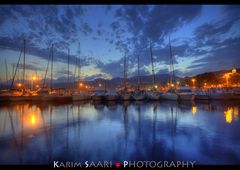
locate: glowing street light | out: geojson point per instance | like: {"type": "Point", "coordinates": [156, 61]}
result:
{"type": "Point", "coordinates": [156, 86]}
{"type": "Point", "coordinates": [193, 81]}
{"type": "Point", "coordinates": [227, 77]}
{"type": "Point", "coordinates": [19, 85]}
{"type": "Point", "coordinates": [99, 85]}
{"type": "Point", "coordinates": [80, 84]}
{"type": "Point", "coordinates": [34, 78]}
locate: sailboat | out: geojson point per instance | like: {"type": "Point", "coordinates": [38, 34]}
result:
{"type": "Point", "coordinates": [125, 94]}
{"type": "Point", "coordinates": [185, 93]}
{"type": "Point", "coordinates": [19, 94]}
{"type": "Point", "coordinates": [80, 95]}
{"type": "Point", "coordinates": [170, 94]}
{"type": "Point", "coordinates": [153, 94]}
{"type": "Point", "coordinates": [65, 95]}
{"type": "Point", "coordinates": [138, 94]}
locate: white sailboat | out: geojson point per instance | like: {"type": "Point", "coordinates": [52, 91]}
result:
{"type": "Point", "coordinates": [111, 95]}
{"type": "Point", "coordinates": [153, 94]}
{"type": "Point", "coordinates": [125, 95]}
{"type": "Point", "coordinates": [138, 94]}
{"type": "Point", "coordinates": [201, 95]}
{"type": "Point", "coordinates": [80, 95]}
{"type": "Point", "coordinates": [185, 93]}
{"type": "Point", "coordinates": [220, 94]}
{"type": "Point", "coordinates": [170, 94]}
{"type": "Point", "coordinates": [98, 95]}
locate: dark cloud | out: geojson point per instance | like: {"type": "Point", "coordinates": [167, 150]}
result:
{"type": "Point", "coordinates": [115, 25]}
{"type": "Point", "coordinates": [96, 76]}
{"type": "Point", "coordinates": [108, 8]}
{"type": "Point", "coordinates": [31, 67]}
{"type": "Point", "coordinates": [87, 29]}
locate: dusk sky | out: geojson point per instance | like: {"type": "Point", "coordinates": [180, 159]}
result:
{"type": "Point", "coordinates": [203, 38]}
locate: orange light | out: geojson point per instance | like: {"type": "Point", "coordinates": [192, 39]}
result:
{"type": "Point", "coordinates": [193, 80]}
{"type": "Point", "coordinates": [19, 85]}
{"type": "Point", "coordinates": [228, 114]}
{"type": "Point", "coordinates": [194, 110]}
{"type": "Point", "coordinates": [80, 84]}
{"type": "Point", "coordinates": [33, 119]}
{"type": "Point", "coordinates": [86, 87]}
{"type": "Point", "coordinates": [100, 85]}
{"type": "Point", "coordinates": [37, 86]}
{"type": "Point", "coordinates": [34, 78]}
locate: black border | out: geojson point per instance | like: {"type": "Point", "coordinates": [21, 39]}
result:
{"type": "Point", "coordinates": [128, 2]}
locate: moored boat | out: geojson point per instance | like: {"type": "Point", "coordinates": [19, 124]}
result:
{"type": "Point", "coordinates": [185, 93]}
{"type": "Point", "coordinates": [236, 94]}
{"type": "Point", "coordinates": [201, 95]}
{"type": "Point", "coordinates": [169, 95]}
{"type": "Point", "coordinates": [111, 95]}
{"type": "Point", "coordinates": [81, 96]}
{"type": "Point", "coordinates": [98, 95]}
{"type": "Point", "coordinates": [138, 95]}
{"type": "Point", "coordinates": [153, 95]}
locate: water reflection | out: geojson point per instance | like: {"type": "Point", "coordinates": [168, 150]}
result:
{"type": "Point", "coordinates": [40, 133]}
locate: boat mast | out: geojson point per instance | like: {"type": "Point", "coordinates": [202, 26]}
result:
{"type": "Point", "coordinates": [153, 73]}
{"type": "Point", "coordinates": [172, 76]}
{"type": "Point", "coordinates": [79, 62]}
{"type": "Point", "coordinates": [138, 75]}
{"type": "Point", "coordinates": [24, 62]}
{"type": "Point", "coordinates": [16, 70]}
{"type": "Point", "coordinates": [68, 83]}
{"type": "Point", "coordinates": [51, 86]}
{"type": "Point", "coordinates": [45, 76]}
{"type": "Point", "coordinates": [125, 72]}
{"type": "Point", "coordinates": [6, 71]}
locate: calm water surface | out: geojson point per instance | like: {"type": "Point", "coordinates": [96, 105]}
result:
{"type": "Point", "coordinates": [205, 132]}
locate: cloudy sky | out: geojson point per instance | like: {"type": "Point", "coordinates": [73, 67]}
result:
{"type": "Point", "coordinates": [203, 38]}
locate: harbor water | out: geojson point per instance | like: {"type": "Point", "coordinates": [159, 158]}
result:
{"type": "Point", "coordinates": [40, 133]}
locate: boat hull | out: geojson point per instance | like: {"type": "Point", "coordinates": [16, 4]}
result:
{"type": "Point", "coordinates": [169, 96]}
{"type": "Point", "coordinates": [138, 97]}
{"type": "Point", "coordinates": [221, 96]}
{"type": "Point", "coordinates": [77, 97]}
{"type": "Point", "coordinates": [186, 96]}
{"type": "Point", "coordinates": [97, 98]}
{"type": "Point", "coordinates": [110, 98]}
{"type": "Point", "coordinates": [201, 97]}
{"type": "Point", "coordinates": [126, 97]}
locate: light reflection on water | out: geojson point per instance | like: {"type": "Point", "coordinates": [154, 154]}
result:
{"type": "Point", "coordinates": [205, 132]}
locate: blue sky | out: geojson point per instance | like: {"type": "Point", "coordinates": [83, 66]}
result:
{"type": "Point", "coordinates": [203, 37]}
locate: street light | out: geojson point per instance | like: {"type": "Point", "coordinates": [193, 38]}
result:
{"type": "Point", "coordinates": [33, 79]}
{"type": "Point", "coordinates": [193, 81]}
{"type": "Point", "coordinates": [19, 85]}
{"type": "Point", "coordinates": [226, 76]}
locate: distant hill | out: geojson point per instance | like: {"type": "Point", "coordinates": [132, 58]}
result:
{"type": "Point", "coordinates": [161, 79]}
{"type": "Point", "coordinates": [216, 77]}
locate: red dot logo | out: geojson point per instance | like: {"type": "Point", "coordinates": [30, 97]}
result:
{"type": "Point", "coordinates": [118, 164]}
